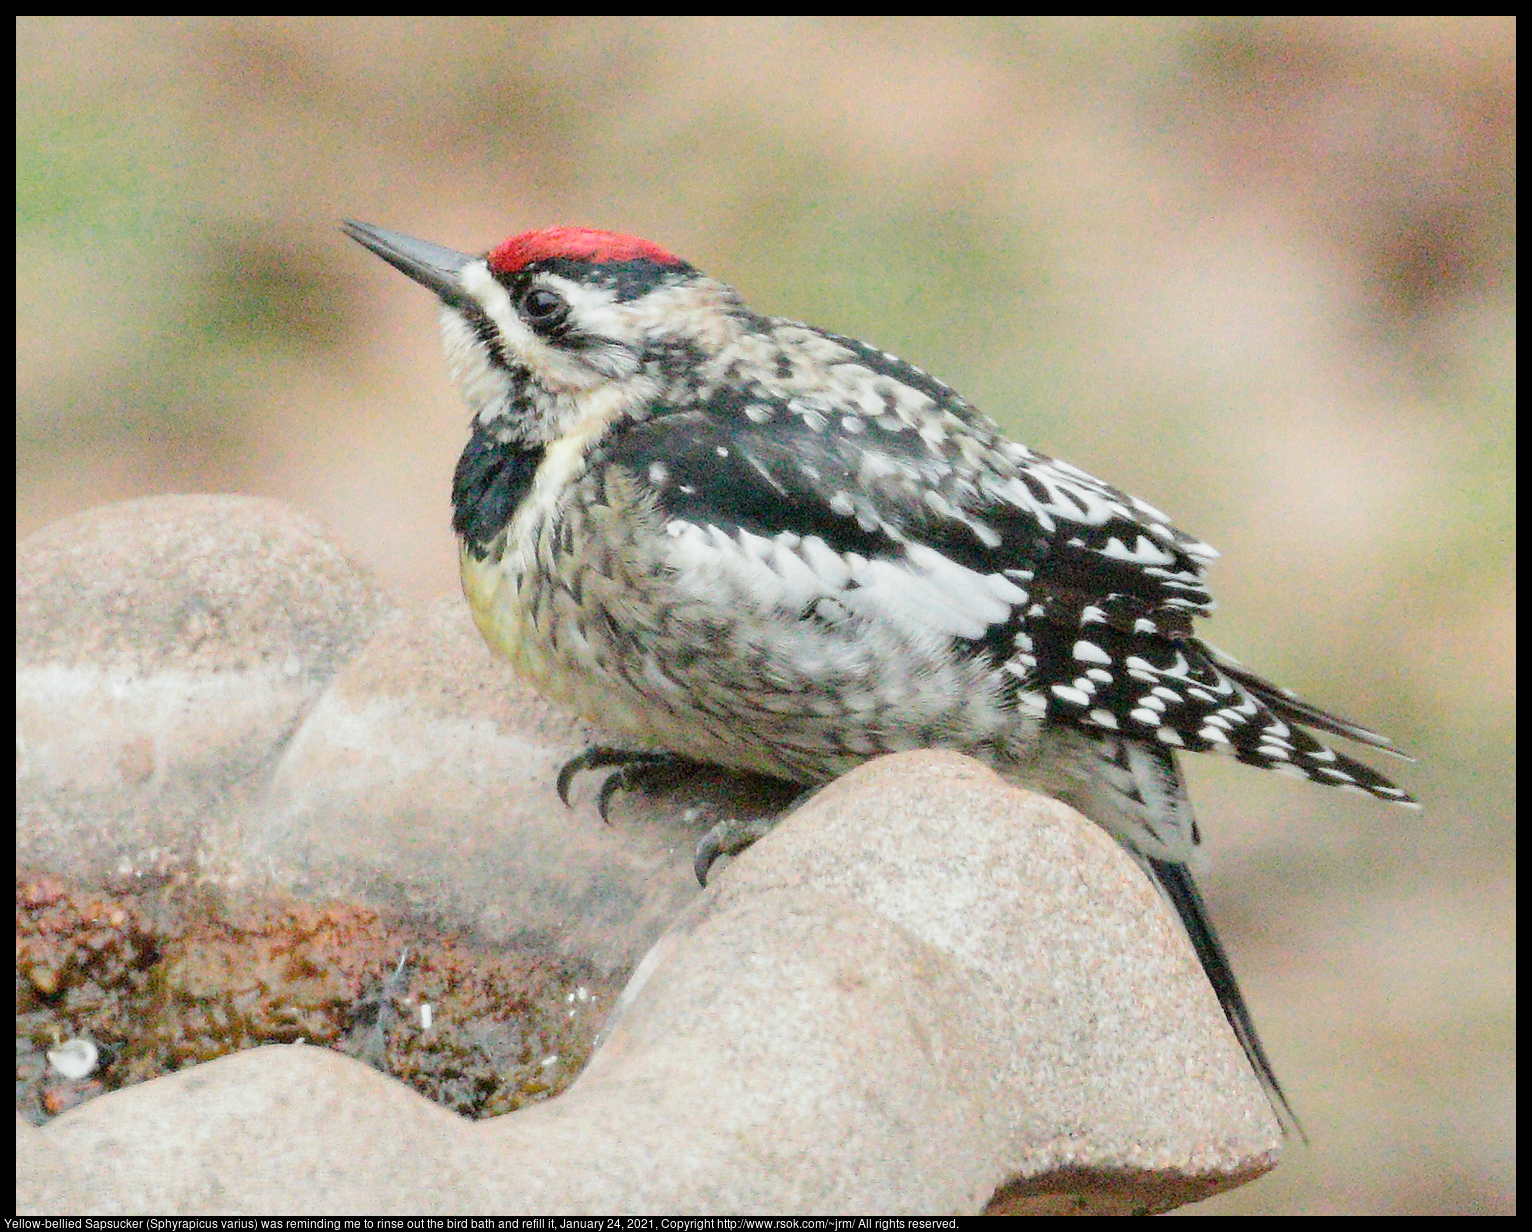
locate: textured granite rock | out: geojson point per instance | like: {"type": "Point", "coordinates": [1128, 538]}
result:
{"type": "Point", "coordinates": [166, 650]}
{"type": "Point", "coordinates": [927, 991]}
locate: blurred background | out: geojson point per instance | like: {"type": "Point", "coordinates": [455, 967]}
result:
{"type": "Point", "coordinates": [1258, 272]}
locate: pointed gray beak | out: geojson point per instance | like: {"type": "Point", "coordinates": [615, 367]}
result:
{"type": "Point", "coordinates": [431, 265]}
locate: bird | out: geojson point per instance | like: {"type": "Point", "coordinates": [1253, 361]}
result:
{"type": "Point", "coordinates": [740, 540]}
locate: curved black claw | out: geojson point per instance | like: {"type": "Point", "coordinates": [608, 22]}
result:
{"type": "Point", "coordinates": [728, 838]}
{"type": "Point", "coordinates": [632, 765]}
{"type": "Point", "coordinates": [708, 850]}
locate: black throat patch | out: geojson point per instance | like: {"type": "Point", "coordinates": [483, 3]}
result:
{"type": "Point", "coordinates": [491, 480]}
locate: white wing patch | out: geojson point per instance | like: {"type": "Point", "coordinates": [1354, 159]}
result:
{"type": "Point", "coordinates": [922, 594]}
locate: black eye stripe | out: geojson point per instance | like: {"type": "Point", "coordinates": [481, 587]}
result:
{"type": "Point", "coordinates": [485, 331]}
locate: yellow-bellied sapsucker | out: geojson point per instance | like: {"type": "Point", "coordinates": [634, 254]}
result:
{"type": "Point", "coordinates": [761, 545]}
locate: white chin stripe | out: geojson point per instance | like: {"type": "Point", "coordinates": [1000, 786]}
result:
{"type": "Point", "coordinates": [492, 298]}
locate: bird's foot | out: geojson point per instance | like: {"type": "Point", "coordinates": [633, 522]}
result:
{"type": "Point", "coordinates": [728, 838]}
{"type": "Point", "coordinates": [732, 835]}
{"type": "Point", "coordinates": [635, 769]}
{"type": "Point", "coordinates": [644, 770]}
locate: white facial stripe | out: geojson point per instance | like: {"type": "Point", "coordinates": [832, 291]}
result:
{"type": "Point", "coordinates": [595, 308]}
{"type": "Point", "coordinates": [596, 313]}
{"type": "Point", "coordinates": [479, 283]}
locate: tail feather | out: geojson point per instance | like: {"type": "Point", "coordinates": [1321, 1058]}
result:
{"type": "Point", "coordinates": [1139, 796]}
{"type": "Point", "coordinates": [1181, 693]}
{"type": "Point", "coordinates": [1288, 705]}
{"type": "Point", "coordinates": [1176, 882]}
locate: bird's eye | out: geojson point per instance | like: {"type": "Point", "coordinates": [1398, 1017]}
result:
{"type": "Point", "coordinates": [544, 308]}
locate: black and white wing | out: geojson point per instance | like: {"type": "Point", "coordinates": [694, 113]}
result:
{"type": "Point", "coordinates": [1082, 594]}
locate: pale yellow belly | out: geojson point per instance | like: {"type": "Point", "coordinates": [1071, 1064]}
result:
{"type": "Point", "coordinates": [539, 630]}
